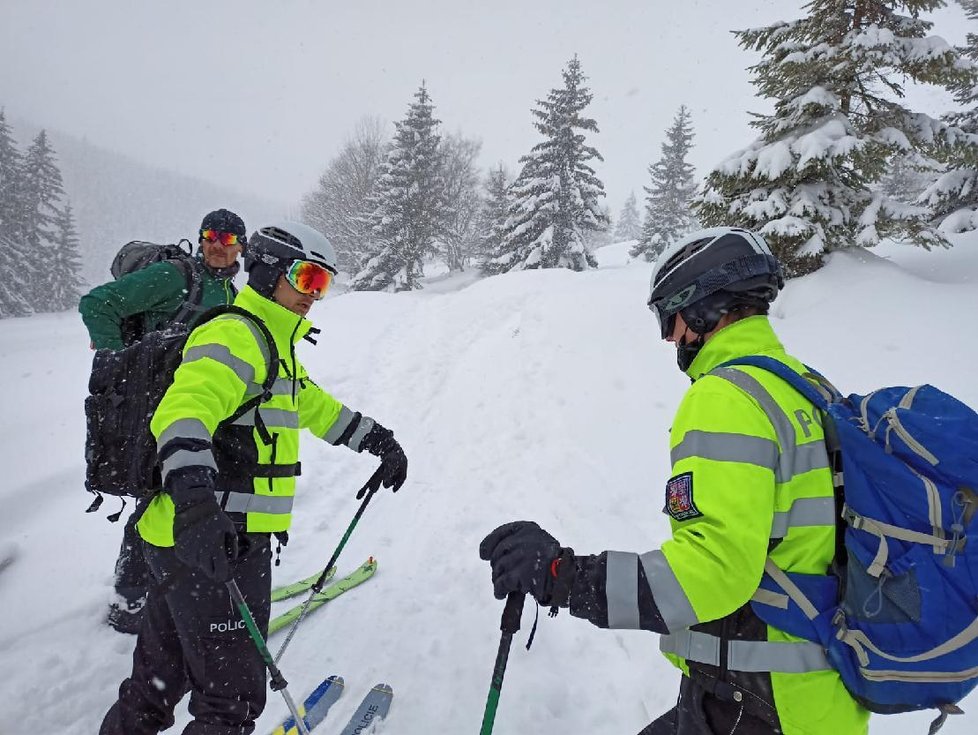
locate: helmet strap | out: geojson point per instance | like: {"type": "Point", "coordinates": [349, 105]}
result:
{"type": "Point", "coordinates": [687, 351]}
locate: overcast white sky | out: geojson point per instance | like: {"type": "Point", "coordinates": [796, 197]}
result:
{"type": "Point", "coordinates": [259, 94]}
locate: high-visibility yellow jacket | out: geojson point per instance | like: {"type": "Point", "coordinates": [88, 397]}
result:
{"type": "Point", "coordinates": [750, 480]}
{"type": "Point", "coordinates": [257, 455]}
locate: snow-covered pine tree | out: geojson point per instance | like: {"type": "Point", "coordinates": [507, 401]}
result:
{"type": "Point", "coordinates": [66, 266]}
{"type": "Point", "coordinates": [410, 209]}
{"type": "Point", "coordinates": [492, 218]}
{"type": "Point", "coordinates": [13, 280]}
{"type": "Point", "coordinates": [836, 78]}
{"type": "Point", "coordinates": [41, 194]}
{"type": "Point", "coordinates": [338, 206]}
{"type": "Point", "coordinates": [953, 199]}
{"type": "Point", "coordinates": [556, 197]}
{"type": "Point", "coordinates": [629, 225]}
{"type": "Point", "coordinates": [668, 201]}
{"type": "Point", "coordinates": [458, 239]}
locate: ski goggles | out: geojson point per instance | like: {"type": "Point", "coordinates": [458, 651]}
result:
{"type": "Point", "coordinates": [227, 239]}
{"type": "Point", "coordinates": [309, 278]}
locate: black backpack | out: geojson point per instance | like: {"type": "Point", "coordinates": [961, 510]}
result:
{"type": "Point", "coordinates": [138, 254]}
{"type": "Point", "coordinates": [125, 388]}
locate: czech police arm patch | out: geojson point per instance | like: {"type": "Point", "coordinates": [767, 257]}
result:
{"type": "Point", "coordinates": [679, 498]}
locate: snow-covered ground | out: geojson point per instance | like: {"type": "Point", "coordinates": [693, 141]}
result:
{"type": "Point", "coordinates": [536, 395]}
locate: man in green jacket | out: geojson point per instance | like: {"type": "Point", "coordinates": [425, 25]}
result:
{"type": "Point", "coordinates": [155, 295]}
{"type": "Point", "coordinates": [751, 484]}
{"type": "Point", "coordinates": [228, 485]}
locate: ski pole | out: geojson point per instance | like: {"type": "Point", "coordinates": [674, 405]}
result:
{"type": "Point", "coordinates": [279, 684]}
{"type": "Point", "coordinates": [366, 492]}
{"type": "Point", "coordinates": [509, 624]}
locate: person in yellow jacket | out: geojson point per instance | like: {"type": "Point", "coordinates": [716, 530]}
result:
{"type": "Point", "coordinates": [750, 482]}
{"type": "Point", "coordinates": [228, 470]}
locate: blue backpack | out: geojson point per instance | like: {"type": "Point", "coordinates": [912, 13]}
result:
{"type": "Point", "coordinates": [900, 621]}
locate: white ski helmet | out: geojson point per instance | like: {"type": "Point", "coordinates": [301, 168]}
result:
{"type": "Point", "coordinates": [273, 248]}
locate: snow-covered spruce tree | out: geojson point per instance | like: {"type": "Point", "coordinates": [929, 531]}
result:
{"type": "Point", "coordinates": [65, 268]}
{"type": "Point", "coordinates": [13, 269]}
{"type": "Point", "coordinates": [629, 225]}
{"type": "Point", "coordinates": [338, 206]}
{"type": "Point", "coordinates": [41, 194]}
{"type": "Point", "coordinates": [836, 78]}
{"type": "Point", "coordinates": [669, 200]}
{"type": "Point", "coordinates": [952, 200]}
{"type": "Point", "coordinates": [459, 236]}
{"type": "Point", "coordinates": [409, 210]}
{"type": "Point", "coordinates": [556, 197]}
{"type": "Point", "coordinates": [492, 218]}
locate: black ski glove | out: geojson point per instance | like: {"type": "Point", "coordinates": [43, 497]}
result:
{"type": "Point", "coordinates": [203, 535]}
{"type": "Point", "coordinates": [380, 442]}
{"type": "Point", "coordinates": [527, 559]}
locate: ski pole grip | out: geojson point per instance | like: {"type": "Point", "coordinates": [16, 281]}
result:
{"type": "Point", "coordinates": [510, 621]}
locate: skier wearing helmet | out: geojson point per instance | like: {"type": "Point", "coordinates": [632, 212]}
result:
{"type": "Point", "coordinates": [228, 486]}
{"type": "Point", "coordinates": [751, 482]}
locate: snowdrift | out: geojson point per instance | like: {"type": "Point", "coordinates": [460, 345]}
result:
{"type": "Point", "coordinates": [534, 395]}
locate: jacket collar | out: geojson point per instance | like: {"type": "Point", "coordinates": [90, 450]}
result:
{"type": "Point", "coordinates": [751, 336]}
{"type": "Point", "coordinates": [286, 326]}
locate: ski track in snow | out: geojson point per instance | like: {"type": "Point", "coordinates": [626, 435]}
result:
{"type": "Point", "coordinates": [536, 395]}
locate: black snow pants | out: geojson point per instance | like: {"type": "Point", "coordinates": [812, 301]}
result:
{"type": "Point", "coordinates": [193, 639]}
{"type": "Point", "coordinates": [132, 576]}
{"type": "Point", "coordinates": [698, 712]}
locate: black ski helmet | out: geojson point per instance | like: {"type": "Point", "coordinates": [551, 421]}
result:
{"type": "Point", "coordinates": [707, 273]}
{"type": "Point", "coordinates": [273, 248]}
{"type": "Point", "coordinates": [224, 220]}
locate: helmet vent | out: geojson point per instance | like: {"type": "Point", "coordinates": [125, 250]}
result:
{"type": "Point", "coordinates": [281, 235]}
{"type": "Point", "coordinates": [687, 252]}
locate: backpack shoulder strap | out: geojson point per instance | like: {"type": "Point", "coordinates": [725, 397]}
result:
{"type": "Point", "coordinates": [195, 288]}
{"type": "Point", "coordinates": [266, 343]}
{"type": "Point", "coordinates": [799, 382]}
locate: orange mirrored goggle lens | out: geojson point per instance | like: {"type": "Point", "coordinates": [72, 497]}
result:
{"type": "Point", "coordinates": [228, 239]}
{"type": "Point", "coordinates": [309, 278]}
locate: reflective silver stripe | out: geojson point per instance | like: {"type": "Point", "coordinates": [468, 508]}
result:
{"type": "Point", "coordinates": [251, 503]}
{"type": "Point", "coordinates": [789, 658]}
{"type": "Point", "coordinates": [221, 354]}
{"type": "Point", "coordinates": [259, 337]}
{"type": "Point", "coordinates": [273, 418]}
{"type": "Point", "coordinates": [721, 447]}
{"type": "Point", "coordinates": [670, 597]}
{"type": "Point", "coordinates": [281, 387]}
{"type": "Point", "coordinates": [339, 426]}
{"type": "Point", "coordinates": [809, 456]}
{"type": "Point", "coordinates": [804, 512]}
{"type": "Point", "coordinates": [188, 458]}
{"type": "Point", "coordinates": [794, 459]}
{"type": "Point", "coordinates": [366, 424]}
{"type": "Point", "coordinates": [183, 429]}
{"type": "Point", "coordinates": [621, 590]}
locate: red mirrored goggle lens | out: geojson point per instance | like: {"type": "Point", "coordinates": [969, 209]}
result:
{"type": "Point", "coordinates": [308, 278]}
{"type": "Point", "coordinates": [228, 239]}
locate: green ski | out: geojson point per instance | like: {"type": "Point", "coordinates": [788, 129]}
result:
{"type": "Point", "coordinates": [361, 575]}
{"type": "Point", "coordinates": [291, 590]}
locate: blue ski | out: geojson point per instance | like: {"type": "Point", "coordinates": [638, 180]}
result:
{"type": "Point", "coordinates": [316, 706]}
